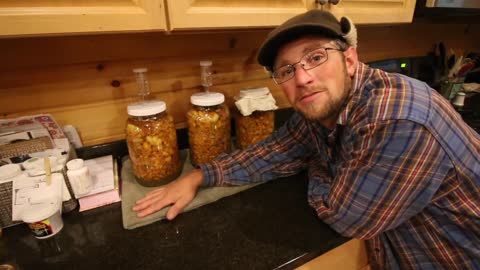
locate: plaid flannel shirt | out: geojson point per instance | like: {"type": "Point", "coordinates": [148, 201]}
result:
{"type": "Point", "coordinates": [400, 170]}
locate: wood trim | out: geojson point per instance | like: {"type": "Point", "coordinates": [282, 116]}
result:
{"type": "Point", "coordinates": [350, 256]}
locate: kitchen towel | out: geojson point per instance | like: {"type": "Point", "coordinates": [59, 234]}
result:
{"type": "Point", "coordinates": [132, 191]}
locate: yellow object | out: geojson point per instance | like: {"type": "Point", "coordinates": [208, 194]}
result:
{"type": "Point", "coordinates": [48, 170]}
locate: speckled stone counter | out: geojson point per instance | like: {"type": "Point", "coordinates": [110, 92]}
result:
{"type": "Point", "coordinates": [266, 227]}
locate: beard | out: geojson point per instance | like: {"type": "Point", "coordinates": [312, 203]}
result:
{"type": "Point", "coordinates": [331, 105]}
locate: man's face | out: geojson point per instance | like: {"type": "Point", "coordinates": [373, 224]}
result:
{"type": "Point", "coordinates": [318, 93]}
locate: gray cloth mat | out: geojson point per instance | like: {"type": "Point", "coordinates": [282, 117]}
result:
{"type": "Point", "coordinates": [132, 191]}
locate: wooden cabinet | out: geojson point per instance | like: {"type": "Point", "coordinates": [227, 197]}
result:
{"type": "Point", "coordinates": [374, 11]}
{"type": "Point", "coordinates": [43, 17]}
{"type": "Point", "coordinates": [188, 14]}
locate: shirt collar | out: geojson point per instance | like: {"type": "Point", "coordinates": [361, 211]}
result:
{"type": "Point", "coordinates": [360, 73]}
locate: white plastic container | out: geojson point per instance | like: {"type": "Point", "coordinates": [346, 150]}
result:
{"type": "Point", "coordinates": [459, 99]}
{"type": "Point", "coordinates": [44, 219]}
{"type": "Point", "coordinates": [79, 177]}
{"type": "Point", "coordinates": [9, 171]}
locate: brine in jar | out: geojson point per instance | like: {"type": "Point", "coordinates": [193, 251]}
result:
{"type": "Point", "coordinates": [152, 143]}
{"type": "Point", "coordinates": [253, 128]}
{"type": "Point", "coordinates": [254, 117]}
{"type": "Point", "coordinates": [208, 123]}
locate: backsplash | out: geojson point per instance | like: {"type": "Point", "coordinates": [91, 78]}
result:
{"type": "Point", "coordinates": [87, 81]}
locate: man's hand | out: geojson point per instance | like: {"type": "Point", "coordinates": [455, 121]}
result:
{"type": "Point", "coordinates": [178, 193]}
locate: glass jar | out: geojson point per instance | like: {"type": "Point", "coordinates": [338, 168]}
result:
{"type": "Point", "coordinates": [253, 128]}
{"type": "Point", "coordinates": [208, 123]}
{"type": "Point", "coordinates": [254, 117]}
{"type": "Point", "coordinates": [152, 143]}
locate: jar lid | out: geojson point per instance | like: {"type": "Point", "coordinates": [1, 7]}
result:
{"type": "Point", "coordinates": [205, 63]}
{"type": "Point", "coordinates": [38, 212]}
{"type": "Point", "coordinates": [145, 108]}
{"type": "Point", "coordinates": [139, 70]}
{"type": "Point", "coordinates": [9, 171]}
{"type": "Point", "coordinates": [75, 164]}
{"type": "Point", "coordinates": [207, 99]}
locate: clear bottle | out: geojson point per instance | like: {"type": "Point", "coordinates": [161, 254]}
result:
{"type": "Point", "coordinates": [208, 123]}
{"type": "Point", "coordinates": [206, 74]}
{"type": "Point", "coordinates": [152, 143]}
{"type": "Point", "coordinates": [142, 82]}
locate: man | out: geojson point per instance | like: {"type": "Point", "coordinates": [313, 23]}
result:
{"type": "Point", "coordinates": [389, 160]}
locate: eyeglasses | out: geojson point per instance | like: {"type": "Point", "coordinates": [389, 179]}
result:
{"type": "Point", "coordinates": [310, 60]}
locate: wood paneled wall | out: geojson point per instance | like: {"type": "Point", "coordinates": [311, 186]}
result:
{"type": "Point", "coordinates": [87, 81]}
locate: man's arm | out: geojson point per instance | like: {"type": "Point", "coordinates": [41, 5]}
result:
{"type": "Point", "coordinates": [178, 194]}
{"type": "Point", "coordinates": [281, 155]}
{"type": "Point", "coordinates": [284, 153]}
{"type": "Point", "coordinates": [392, 172]}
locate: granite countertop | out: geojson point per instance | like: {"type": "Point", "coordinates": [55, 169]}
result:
{"type": "Point", "coordinates": [266, 227]}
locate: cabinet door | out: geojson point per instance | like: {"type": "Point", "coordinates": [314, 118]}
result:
{"type": "Point", "coordinates": [40, 17]}
{"type": "Point", "coordinates": [374, 11]}
{"type": "Point", "coordinates": [190, 14]}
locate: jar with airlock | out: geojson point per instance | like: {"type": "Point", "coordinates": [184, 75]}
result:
{"type": "Point", "coordinates": [152, 143]}
{"type": "Point", "coordinates": [254, 117]}
{"type": "Point", "coordinates": [208, 123]}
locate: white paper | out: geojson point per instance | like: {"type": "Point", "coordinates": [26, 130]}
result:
{"type": "Point", "coordinates": [31, 190]}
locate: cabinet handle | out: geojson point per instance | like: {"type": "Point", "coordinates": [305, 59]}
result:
{"type": "Point", "coordinates": [334, 2]}
{"type": "Point", "coordinates": [321, 2]}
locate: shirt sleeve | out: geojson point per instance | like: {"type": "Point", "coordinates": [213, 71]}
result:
{"type": "Point", "coordinates": [391, 171]}
{"type": "Point", "coordinates": [283, 154]}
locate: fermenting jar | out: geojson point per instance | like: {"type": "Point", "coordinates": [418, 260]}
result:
{"type": "Point", "coordinates": [208, 123]}
{"type": "Point", "coordinates": [152, 143]}
{"type": "Point", "coordinates": [254, 117]}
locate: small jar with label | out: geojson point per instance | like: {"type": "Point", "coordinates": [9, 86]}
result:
{"type": "Point", "coordinates": [254, 117]}
{"type": "Point", "coordinates": [152, 143]}
{"type": "Point", "coordinates": [208, 123]}
{"type": "Point", "coordinates": [79, 177]}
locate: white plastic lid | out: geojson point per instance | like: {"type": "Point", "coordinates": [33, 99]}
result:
{"type": "Point", "coordinates": [205, 63]}
{"type": "Point", "coordinates": [140, 70]}
{"type": "Point", "coordinates": [254, 92]}
{"type": "Point", "coordinates": [207, 99]}
{"type": "Point", "coordinates": [9, 171]}
{"type": "Point", "coordinates": [145, 108]}
{"type": "Point", "coordinates": [75, 164]}
{"type": "Point", "coordinates": [38, 212]}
